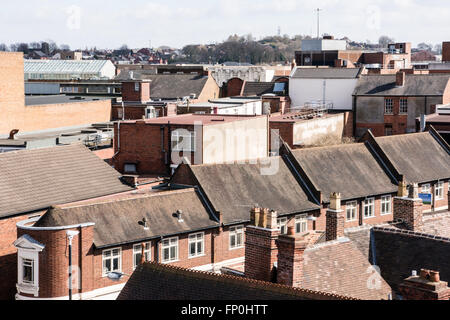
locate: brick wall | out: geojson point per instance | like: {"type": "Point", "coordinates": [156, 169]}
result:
{"type": "Point", "coordinates": [446, 51]}
{"type": "Point", "coordinates": [15, 115]}
{"type": "Point", "coordinates": [285, 130]}
{"type": "Point", "coordinates": [234, 87]}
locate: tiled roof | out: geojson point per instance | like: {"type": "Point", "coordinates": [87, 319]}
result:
{"type": "Point", "coordinates": [169, 86]}
{"type": "Point", "coordinates": [32, 180]}
{"type": "Point", "coordinates": [339, 267]}
{"type": "Point", "coordinates": [415, 85]}
{"type": "Point", "coordinates": [119, 221]}
{"type": "Point", "coordinates": [418, 156]}
{"type": "Point", "coordinates": [152, 281]}
{"type": "Point", "coordinates": [437, 224]}
{"type": "Point", "coordinates": [349, 169]}
{"type": "Point", "coordinates": [234, 188]}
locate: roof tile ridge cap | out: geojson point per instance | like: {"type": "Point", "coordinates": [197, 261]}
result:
{"type": "Point", "coordinates": [259, 283]}
{"type": "Point", "coordinates": [413, 234]}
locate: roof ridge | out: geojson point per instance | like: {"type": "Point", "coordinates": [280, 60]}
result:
{"type": "Point", "coordinates": [263, 284]}
{"type": "Point", "coordinates": [137, 196]}
{"type": "Point", "coordinates": [412, 234]}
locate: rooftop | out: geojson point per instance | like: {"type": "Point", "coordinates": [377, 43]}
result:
{"type": "Point", "coordinates": [65, 66]}
{"type": "Point", "coordinates": [415, 85]}
{"type": "Point", "coordinates": [59, 99]}
{"type": "Point", "coordinates": [33, 180]}
{"type": "Point", "coordinates": [327, 73]}
{"type": "Point", "coordinates": [192, 119]}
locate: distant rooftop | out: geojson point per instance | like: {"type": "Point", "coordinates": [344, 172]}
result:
{"type": "Point", "coordinates": [64, 66]}
{"type": "Point", "coordinates": [191, 119]}
{"type": "Point", "coordinates": [59, 99]}
{"type": "Point", "coordinates": [327, 73]}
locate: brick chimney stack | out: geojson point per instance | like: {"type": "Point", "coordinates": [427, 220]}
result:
{"type": "Point", "coordinates": [402, 188]}
{"type": "Point", "coordinates": [409, 209]}
{"type": "Point", "coordinates": [426, 286]}
{"type": "Point", "coordinates": [335, 219]}
{"type": "Point", "coordinates": [291, 248]}
{"type": "Point", "coordinates": [400, 79]}
{"type": "Point", "coordinates": [136, 90]}
{"type": "Point", "coordinates": [260, 245]}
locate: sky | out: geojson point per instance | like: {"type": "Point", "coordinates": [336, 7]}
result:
{"type": "Point", "coordinates": [176, 23]}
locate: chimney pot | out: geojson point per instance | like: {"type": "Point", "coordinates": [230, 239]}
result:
{"type": "Point", "coordinates": [434, 276]}
{"type": "Point", "coordinates": [425, 274]}
{"type": "Point", "coordinates": [335, 201]}
{"type": "Point", "coordinates": [291, 231]}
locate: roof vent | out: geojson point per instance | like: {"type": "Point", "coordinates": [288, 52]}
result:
{"type": "Point", "coordinates": [414, 273]}
{"type": "Point", "coordinates": [144, 223]}
{"type": "Point", "coordinates": [179, 215]}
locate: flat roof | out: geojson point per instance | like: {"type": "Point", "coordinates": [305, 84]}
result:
{"type": "Point", "coordinates": [191, 119]}
{"type": "Point", "coordinates": [298, 117]}
{"type": "Point", "coordinates": [59, 99]}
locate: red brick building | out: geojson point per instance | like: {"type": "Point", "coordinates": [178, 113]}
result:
{"type": "Point", "coordinates": [389, 104]}
{"type": "Point", "coordinates": [45, 177]}
{"type": "Point", "coordinates": [157, 146]}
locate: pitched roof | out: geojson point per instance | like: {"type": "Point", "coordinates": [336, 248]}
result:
{"type": "Point", "coordinates": [399, 252]}
{"type": "Point", "coordinates": [339, 267]}
{"type": "Point", "coordinates": [65, 66]}
{"type": "Point", "coordinates": [234, 189]}
{"type": "Point", "coordinates": [118, 221]}
{"type": "Point", "coordinates": [437, 224]}
{"type": "Point", "coordinates": [349, 169]}
{"type": "Point", "coordinates": [170, 86]}
{"type": "Point", "coordinates": [415, 85]}
{"type": "Point", "coordinates": [257, 88]}
{"type": "Point", "coordinates": [153, 281]}
{"type": "Point", "coordinates": [37, 179]}
{"type": "Point", "coordinates": [327, 73]}
{"type": "Point", "coordinates": [418, 156]}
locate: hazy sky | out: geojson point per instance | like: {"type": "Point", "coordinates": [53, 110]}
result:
{"type": "Point", "coordinates": [109, 24]}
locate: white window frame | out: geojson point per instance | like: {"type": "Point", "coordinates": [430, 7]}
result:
{"type": "Point", "coordinates": [196, 239]}
{"type": "Point", "coordinates": [439, 190]}
{"type": "Point", "coordinates": [236, 232]}
{"type": "Point", "coordinates": [426, 188]}
{"type": "Point", "coordinates": [282, 225]}
{"type": "Point", "coordinates": [386, 201]}
{"type": "Point", "coordinates": [388, 103]}
{"type": "Point", "coordinates": [137, 251]}
{"type": "Point", "coordinates": [111, 258]}
{"type": "Point", "coordinates": [369, 203]}
{"type": "Point", "coordinates": [175, 140]}
{"type": "Point", "coordinates": [351, 206]}
{"type": "Point", "coordinates": [301, 224]}
{"type": "Point", "coordinates": [172, 243]}
{"type": "Point", "coordinates": [403, 106]}
{"type": "Point", "coordinates": [137, 86]}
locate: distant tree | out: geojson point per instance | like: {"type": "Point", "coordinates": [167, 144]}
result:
{"type": "Point", "coordinates": [425, 46]}
{"type": "Point", "coordinates": [3, 47]}
{"type": "Point", "coordinates": [438, 48]}
{"type": "Point", "coordinates": [383, 41]}
{"type": "Point", "coordinates": [23, 47]}
{"type": "Point", "coordinates": [64, 47]}
{"type": "Point", "coordinates": [34, 45]}
{"type": "Point", "coordinates": [52, 47]}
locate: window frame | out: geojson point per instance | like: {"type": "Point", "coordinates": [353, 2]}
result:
{"type": "Point", "coordinates": [403, 104]}
{"type": "Point", "coordinates": [169, 247]}
{"type": "Point", "coordinates": [112, 257]}
{"type": "Point", "coordinates": [137, 87]}
{"type": "Point", "coordinates": [147, 253]}
{"type": "Point", "coordinates": [302, 221]}
{"type": "Point", "coordinates": [235, 231]}
{"type": "Point", "coordinates": [353, 205]}
{"type": "Point", "coordinates": [192, 138]}
{"type": "Point", "coordinates": [390, 105]}
{"type": "Point", "coordinates": [426, 188]}
{"type": "Point", "coordinates": [196, 241]}
{"type": "Point", "coordinates": [282, 223]}
{"type": "Point", "coordinates": [369, 203]}
{"type": "Point", "coordinates": [383, 202]}
{"type": "Point", "coordinates": [439, 186]}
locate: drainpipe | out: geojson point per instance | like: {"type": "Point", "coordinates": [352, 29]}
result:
{"type": "Point", "coordinates": [70, 235]}
{"type": "Point", "coordinates": [118, 140]}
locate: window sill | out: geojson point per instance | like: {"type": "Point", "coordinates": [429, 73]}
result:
{"type": "Point", "coordinates": [28, 289]}
{"type": "Point", "coordinates": [106, 275]}
{"type": "Point", "coordinates": [386, 214]}
{"type": "Point", "coordinates": [236, 248]}
{"type": "Point", "coordinates": [172, 261]}
{"type": "Point", "coordinates": [367, 218]}
{"type": "Point", "coordinates": [199, 256]}
{"type": "Point", "coordinates": [353, 220]}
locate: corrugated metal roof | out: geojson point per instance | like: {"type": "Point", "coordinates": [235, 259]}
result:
{"type": "Point", "coordinates": [64, 66]}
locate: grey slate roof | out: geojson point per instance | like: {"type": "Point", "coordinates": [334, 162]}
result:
{"type": "Point", "coordinates": [169, 86]}
{"type": "Point", "coordinates": [349, 169]}
{"type": "Point", "coordinates": [415, 85]}
{"type": "Point", "coordinates": [234, 189]}
{"type": "Point", "coordinates": [257, 88]}
{"type": "Point", "coordinates": [327, 73]}
{"type": "Point", "coordinates": [117, 221]}
{"type": "Point", "coordinates": [418, 156]}
{"type": "Point", "coordinates": [37, 179]}
{"type": "Point", "coordinates": [152, 281]}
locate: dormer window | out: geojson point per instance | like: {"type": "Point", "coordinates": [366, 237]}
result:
{"type": "Point", "coordinates": [28, 251]}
